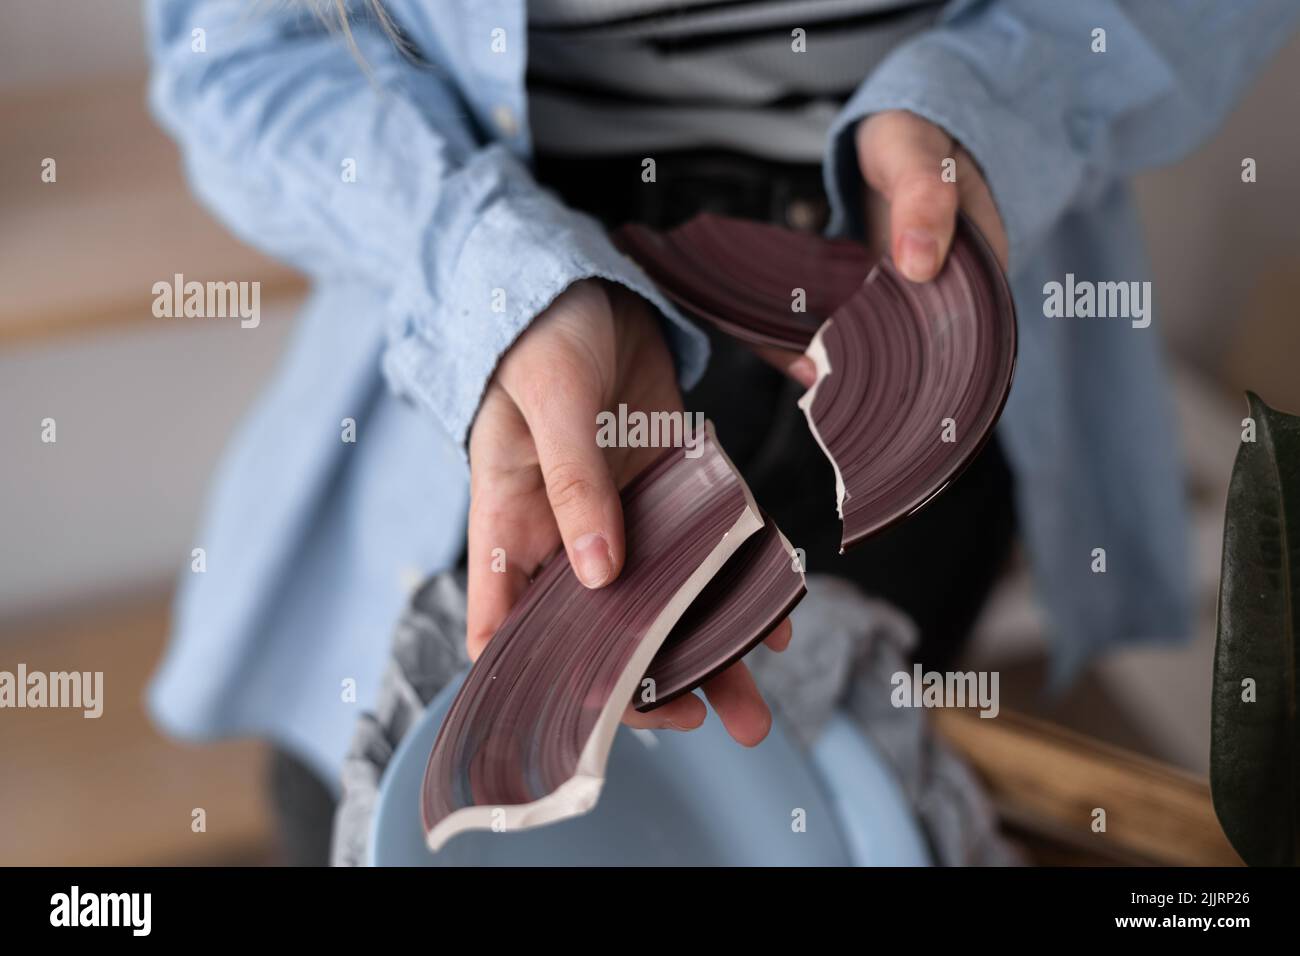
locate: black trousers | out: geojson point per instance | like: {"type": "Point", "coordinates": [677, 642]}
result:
{"type": "Point", "coordinates": [938, 566]}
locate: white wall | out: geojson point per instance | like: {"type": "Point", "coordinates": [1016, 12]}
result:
{"type": "Point", "coordinates": [141, 415]}
{"type": "Point", "coordinates": [1214, 239]}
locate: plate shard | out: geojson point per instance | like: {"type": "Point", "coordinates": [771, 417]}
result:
{"type": "Point", "coordinates": [746, 277]}
{"type": "Point", "coordinates": [526, 739]}
{"type": "Point", "coordinates": [753, 593]}
{"type": "Point", "coordinates": [911, 379]}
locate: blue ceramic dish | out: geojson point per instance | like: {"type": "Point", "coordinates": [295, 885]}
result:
{"type": "Point", "coordinates": [681, 799]}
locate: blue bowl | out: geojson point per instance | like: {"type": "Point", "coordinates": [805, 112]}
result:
{"type": "Point", "coordinates": [681, 799]}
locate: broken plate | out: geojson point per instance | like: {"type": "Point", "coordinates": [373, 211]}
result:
{"type": "Point", "coordinates": [912, 377]}
{"type": "Point", "coordinates": [526, 740]}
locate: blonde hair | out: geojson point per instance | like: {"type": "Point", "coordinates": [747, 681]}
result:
{"type": "Point", "coordinates": [335, 14]}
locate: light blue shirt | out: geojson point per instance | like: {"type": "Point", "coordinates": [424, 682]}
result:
{"type": "Point", "coordinates": [309, 538]}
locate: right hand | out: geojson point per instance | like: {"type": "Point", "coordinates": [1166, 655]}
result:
{"type": "Point", "coordinates": [538, 479]}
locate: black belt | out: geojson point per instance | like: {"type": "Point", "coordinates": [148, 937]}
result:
{"type": "Point", "coordinates": [614, 190]}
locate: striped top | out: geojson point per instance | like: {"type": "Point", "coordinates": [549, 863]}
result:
{"type": "Point", "coordinates": [630, 76]}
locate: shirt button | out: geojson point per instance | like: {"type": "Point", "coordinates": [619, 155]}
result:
{"type": "Point", "coordinates": [504, 118]}
{"type": "Point", "coordinates": [802, 215]}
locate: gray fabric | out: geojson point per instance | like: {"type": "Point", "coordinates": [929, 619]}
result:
{"type": "Point", "coordinates": [845, 650]}
{"type": "Point", "coordinates": [630, 87]}
{"type": "Point", "coordinates": [428, 651]}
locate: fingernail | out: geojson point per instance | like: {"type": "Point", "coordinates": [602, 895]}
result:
{"type": "Point", "coordinates": [592, 560]}
{"type": "Point", "coordinates": [918, 255]}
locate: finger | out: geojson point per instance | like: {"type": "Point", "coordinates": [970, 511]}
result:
{"type": "Point", "coordinates": [739, 705]}
{"type": "Point", "coordinates": [684, 713]}
{"type": "Point", "coordinates": [798, 366]}
{"type": "Point", "coordinates": [803, 371]}
{"type": "Point", "coordinates": [779, 639]}
{"type": "Point", "coordinates": [561, 409]}
{"type": "Point", "coordinates": [903, 157]}
{"type": "Point", "coordinates": [496, 580]}
{"type": "Point", "coordinates": [503, 547]}
{"type": "Point", "coordinates": [877, 237]}
{"type": "Point", "coordinates": [977, 202]}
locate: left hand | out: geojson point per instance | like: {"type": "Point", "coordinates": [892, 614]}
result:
{"type": "Point", "coordinates": [911, 210]}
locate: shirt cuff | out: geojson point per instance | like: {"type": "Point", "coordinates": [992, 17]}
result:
{"type": "Point", "coordinates": [501, 250]}
{"type": "Point", "coordinates": [1032, 174]}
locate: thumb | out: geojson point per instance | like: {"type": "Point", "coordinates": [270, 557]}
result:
{"type": "Point", "coordinates": [579, 484]}
{"type": "Point", "coordinates": [902, 156]}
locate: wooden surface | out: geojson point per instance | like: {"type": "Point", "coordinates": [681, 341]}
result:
{"type": "Point", "coordinates": [1046, 782]}
{"type": "Point", "coordinates": [83, 253]}
{"type": "Point", "coordinates": [112, 790]}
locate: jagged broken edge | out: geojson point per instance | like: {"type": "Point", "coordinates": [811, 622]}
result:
{"type": "Point", "coordinates": [817, 354]}
{"type": "Point", "coordinates": [820, 357]}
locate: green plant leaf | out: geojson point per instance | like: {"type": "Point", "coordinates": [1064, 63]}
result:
{"type": "Point", "coordinates": [1255, 746]}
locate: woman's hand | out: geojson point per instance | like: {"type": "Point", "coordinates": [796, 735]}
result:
{"type": "Point", "coordinates": [911, 210]}
{"type": "Point", "coordinates": [538, 479]}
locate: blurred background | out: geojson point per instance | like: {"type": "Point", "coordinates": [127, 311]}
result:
{"type": "Point", "coordinates": [94, 528]}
